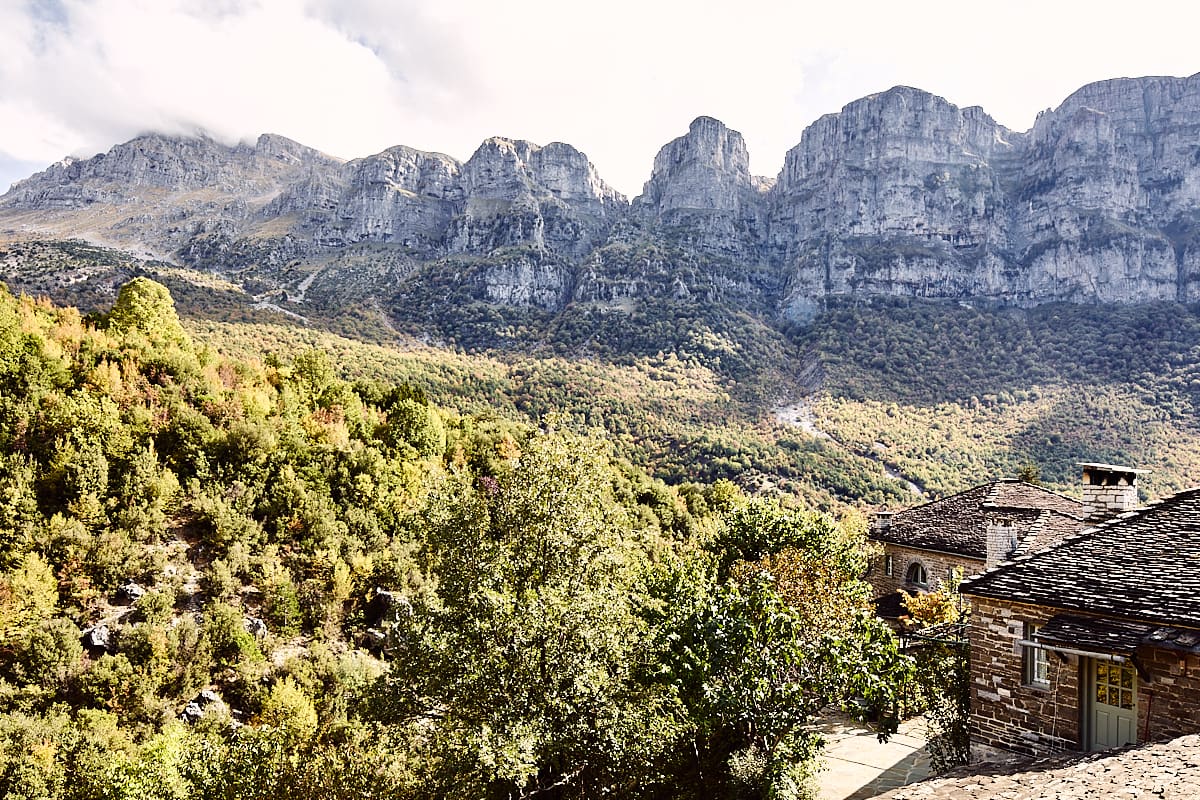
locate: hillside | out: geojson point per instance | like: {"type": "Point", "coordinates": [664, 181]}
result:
{"type": "Point", "coordinates": [953, 395]}
{"type": "Point", "coordinates": [245, 576]}
{"type": "Point", "coordinates": [941, 394]}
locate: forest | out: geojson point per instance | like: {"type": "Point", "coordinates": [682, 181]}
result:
{"type": "Point", "coordinates": [228, 572]}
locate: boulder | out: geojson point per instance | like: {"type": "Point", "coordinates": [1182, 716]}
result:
{"type": "Point", "coordinates": [97, 640]}
{"type": "Point", "coordinates": [201, 705]}
{"type": "Point", "coordinates": [255, 627]}
{"type": "Point", "coordinates": [386, 606]}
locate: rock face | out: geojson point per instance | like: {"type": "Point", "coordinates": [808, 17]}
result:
{"type": "Point", "coordinates": [903, 193]}
{"type": "Point", "coordinates": [518, 194]}
{"type": "Point", "coordinates": [701, 187]}
{"type": "Point", "coordinates": [899, 193]}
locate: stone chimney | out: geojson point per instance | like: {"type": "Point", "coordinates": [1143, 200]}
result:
{"type": "Point", "coordinates": [881, 522]}
{"type": "Point", "coordinates": [1001, 539]}
{"type": "Point", "coordinates": [1108, 490]}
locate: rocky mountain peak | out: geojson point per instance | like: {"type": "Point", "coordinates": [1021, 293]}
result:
{"type": "Point", "coordinates": [899, 193]}
{"type": "Point", "coordinates": [517, 193]}
{"type": "Point", "coordinates": [707, 169]}
{"type": "Point", "coordinates": [281, 148]}
{"type": "Point", "coordinates": [517, 170]}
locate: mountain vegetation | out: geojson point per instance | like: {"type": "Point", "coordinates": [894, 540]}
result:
{"type": "Point", "coordinates": [236, 574]}
{"type": "Point", "coordinates": [408, 477]}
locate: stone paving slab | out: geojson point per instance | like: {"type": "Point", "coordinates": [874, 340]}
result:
{"type": "Point", "coordinates": [857, 765]}
{"type": "Point", "coordinates": [1166, 770]}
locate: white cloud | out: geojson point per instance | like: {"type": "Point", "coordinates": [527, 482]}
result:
{"type": "Point", "coordinates": [617, 79]}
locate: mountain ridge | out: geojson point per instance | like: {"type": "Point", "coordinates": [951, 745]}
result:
{"type": "Point", "coordinates": [900, 193]}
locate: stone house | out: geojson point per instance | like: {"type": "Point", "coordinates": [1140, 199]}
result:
{"type": "Point", "coordinates": [968, 532]}
{"type": "Point", "coordinates": [1095, 642]}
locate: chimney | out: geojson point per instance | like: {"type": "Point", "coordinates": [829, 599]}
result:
{"type": "Point", "coordinates": [1108, 490]}
{"type": "Point", "coordinates": [881, 522]}
{"type": "Point", "coordinates": [1001, 539]}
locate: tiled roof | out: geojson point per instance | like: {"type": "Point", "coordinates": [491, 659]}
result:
{"type": "Point", "coordinates": [1143, 565]}
{"type": "Point", "coordinates": [1051, 528]}
{"type": "Point", "coordinates": [956, 524]}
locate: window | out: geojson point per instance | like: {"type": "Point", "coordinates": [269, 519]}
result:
{"type": "Point", "coordinates": [917, 575]}
{"type": "Point", "coordinates": [1114, 684]}
{"type": "Point", "coordinates": [889, 568]}
{"type": "Point", "coordinates": [1036, 662]}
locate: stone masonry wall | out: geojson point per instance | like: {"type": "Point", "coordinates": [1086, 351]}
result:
{"type": "Point", "coordinates": [1005, 713]}
{"type": "Point", "coordinates": [1169, 705]}
{"type": "Point", "coordinates": [1009, 715]}
{"type": "Point", "coordinates": [937, 567]}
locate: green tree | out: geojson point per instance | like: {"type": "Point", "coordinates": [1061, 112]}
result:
{"type": "Point", "coordinates": [529, 657]}
{"type": "Point", "coordinates": [28, 595]}
{"type": "Point", "coordinates": [146, 307]}
{"type": "Point", "coordinates": [289, 709]}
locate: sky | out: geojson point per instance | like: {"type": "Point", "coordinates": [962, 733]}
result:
{"type": "Point", "coordinates": [616, 79]}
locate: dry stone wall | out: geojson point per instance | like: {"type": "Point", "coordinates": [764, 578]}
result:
{"type": "Point", "coordinates": [1005, 713]}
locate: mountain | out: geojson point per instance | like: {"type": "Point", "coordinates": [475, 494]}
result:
{"type": "Point", "coordinates": [902, 193]}
{"type": "Point", "coordinates": [899, 194]}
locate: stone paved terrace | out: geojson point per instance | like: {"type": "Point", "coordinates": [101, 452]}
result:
{"type": "Point", "coordinates": [856, 765]}
{"type": "Point", "coordinates": [1167, 770]}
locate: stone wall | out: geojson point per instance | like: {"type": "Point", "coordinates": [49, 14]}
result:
{"type": "Point", "coordinates": [1169, 705]}
{"type": "Point", "coordinates": [1009, 715]}
{"type": "Point", "coordinates": [1005, 713]}
{"type": "Point", "coordinates": [937, 567]}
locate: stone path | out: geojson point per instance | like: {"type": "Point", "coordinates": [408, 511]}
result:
{"type": "Point", "coordinates": [1163, 771]}
{"type": "Point", "coordinates": [857, 766]}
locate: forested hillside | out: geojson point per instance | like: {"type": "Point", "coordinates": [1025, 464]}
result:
{"type": "Point", "coordinates": [246, 576]}
{"type": "Point", "coordinates": [954, 395]}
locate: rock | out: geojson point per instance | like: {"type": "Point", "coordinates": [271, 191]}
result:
{"type": "Point", "coordinates": [386, 606]}
{"type": "Point", "coordinates": [131, 592]}
{"type": "Point", "coordinates": [904, 193]}
{"type": "Point", "coordinates": [374, 640]}
{"type": "Point", "coordinates": [97, 640]}
{"type": "Point", "coordinates": [201, 705]}
{"type": "Point", "coordinates": [701, 183]}
{"type": "Point", "coordinates": [517, 194]}
{"type": "Point", "coordinates": [255, 627]}
{"type": "Point", "coordinates": [899, 193]}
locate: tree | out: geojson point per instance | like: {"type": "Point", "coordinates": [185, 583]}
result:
{"type": "Point", "coordinates": [28, 595]}
{"type": "Point", "coordinates": [785, 631]}
{"type": "Point", "coordinates": [146, 307]}
{"type": "Point", "coordinates": [289, 710]}
{"type": "Point", "coordinates": [528, 660]}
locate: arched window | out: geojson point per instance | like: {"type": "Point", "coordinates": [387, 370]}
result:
{"type": "Point", "coordinates": [916, 574]}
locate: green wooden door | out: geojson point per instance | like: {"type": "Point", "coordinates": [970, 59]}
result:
{"type": "Point", "coordinates": [1114, 704]}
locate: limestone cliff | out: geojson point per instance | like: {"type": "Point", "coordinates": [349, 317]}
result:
{"type": "Point", "coordinates": [701, 189]}
{"type": "Point", "coordinates": [903, 193]}
{"type": "Point", "coordinates": [518, 194]}
{"type": "Point", "coordinates": [899, 193]}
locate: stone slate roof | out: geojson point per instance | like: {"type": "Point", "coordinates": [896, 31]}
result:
{"type": "Point", "coordinates": [956, 524]}
{"type": "Point", "coordinates": [1142, 565]}
{"type": "Point", "coordinates": [1050, 528]}
{"type": "Point", "coordinates": [1093, 633]}
{"type": "Point", "coordinates": [1158, 770]}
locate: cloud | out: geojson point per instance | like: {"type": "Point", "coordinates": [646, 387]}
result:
{"type": "Point", "coordinates": [617, 79]}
